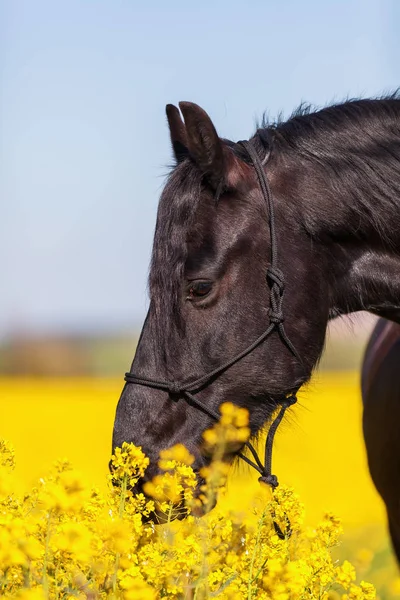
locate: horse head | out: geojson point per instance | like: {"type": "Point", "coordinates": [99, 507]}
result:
{"type": "Point", "coordinates": [211, 294]}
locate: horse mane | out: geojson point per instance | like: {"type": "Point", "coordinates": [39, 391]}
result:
{"type": "Point", "coordinates": [356, 145]}
{"type": "Point", "coordinates": [306, 111]}
{"type": "Point", "coordinates": [314, 133]}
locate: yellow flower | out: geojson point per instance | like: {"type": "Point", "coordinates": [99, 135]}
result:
{"type": "Point", "coordinates": [365, 591]}
{"type": "Point", "coordinates": [117, 535]}
{"type": "Point", "coordinates": [329, 529]}
{"type": "Point", "coordinates": [65, 539]}
{"type": "Point", "coordinates": [10, 554]}
{"type": "Point", "coordinates": [230, 430]}
{"type": "Point", "coordinates": [368, 590]}
{"type": "Point", "coordinates": [136, 589]}
{"type": "Point", "coordinates": [210, 436]}
{"type": "Point", "coordinates": [165, 488]}
{"type": "Point", "coordinates": [36, 593]}
{"type": "Point", "coordinates": [74, 539]}
{"type": "Point", "coordinates": [6, 486]}
{"type": "Point", "coordinates": [128, 461]}
{"type": "Point", "coordinates": [31, 547]}
{"type": "Point", "coordinates": [177, 453]}
{"type": "Point", "coordinates": [217, 470]}
{"type": "Point", "coordinates": [331, 595]}
{"type": "Point", "coordinates": [7, 455]}
{"type": "Point", "coordinates": [67, 493]}
{"type": "Point", "coordinates": [345, 574]}
{"type": "Point", "coordinates": [233, 415]}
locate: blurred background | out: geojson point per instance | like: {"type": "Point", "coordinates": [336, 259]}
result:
{"type": "Point", "coordinates": [84, 151]}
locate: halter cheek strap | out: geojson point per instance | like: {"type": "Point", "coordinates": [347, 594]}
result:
{"type": "Point", "coordinates": [276, 282]}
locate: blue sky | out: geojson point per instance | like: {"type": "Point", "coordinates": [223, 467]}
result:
{"type": "Point", "coordinates": [84, 146]}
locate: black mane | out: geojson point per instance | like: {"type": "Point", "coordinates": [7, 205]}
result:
{"type": "Point", "coordinates": [355, 147]}
{"type": "Point", "coordinates": [307, 117]}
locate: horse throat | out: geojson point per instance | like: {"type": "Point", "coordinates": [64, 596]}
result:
{"type": "Point", "coordinates": [369, 279]}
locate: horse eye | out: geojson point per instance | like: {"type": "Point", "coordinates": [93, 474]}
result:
{"type": "Point", "coordinates": [199, 289]}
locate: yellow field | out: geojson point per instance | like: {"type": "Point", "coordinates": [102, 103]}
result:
{"type": "Point", "coordinates": [319, 451]}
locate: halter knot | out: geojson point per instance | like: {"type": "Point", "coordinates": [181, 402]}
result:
{"type": "Point", "coordinates": [175, 389]}
{"type": "Point", "coordinates": [275, 277]}
{"type": "Point", "coordinates": [270, 479]}
{"type": "Point", "coordinates": [276, 317]}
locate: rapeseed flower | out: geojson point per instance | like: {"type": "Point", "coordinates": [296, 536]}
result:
{"type": "Point", "coordinates": [129, 461]}
{"type": "Point", "coordinates": [65, 540]}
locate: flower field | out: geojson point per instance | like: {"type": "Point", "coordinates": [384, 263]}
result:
{"type": "Point", "coordinates": [89, 543]}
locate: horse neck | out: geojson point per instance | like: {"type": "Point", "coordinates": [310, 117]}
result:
{"type": "Point", "coordinates": [353, 218]}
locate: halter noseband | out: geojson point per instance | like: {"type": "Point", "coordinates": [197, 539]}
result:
{"type": "Point", "coordinates": [276, 282]}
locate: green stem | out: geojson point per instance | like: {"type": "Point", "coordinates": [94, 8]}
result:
{"type": "Point", "coordinates": [45, 582]}
{"type": "Point", "coordinates": [123, 496]}
{"type": "Point", "coordinates": [120, 514]}
{"type": "Point", "coordinates": [202, 581]}
{"type": "Point", "coordinates": [253, 558]}
{"type": "Point", "coordinates": [3, 580]}
{"type": "Point", "coordinates": [259, 571]}
{"type": "Point", "coordinates": [27, 574]}
{"type": "Point", "coordinates": [213, 484]}
{"type": "Point", "coordinates": [169, 514]}
{"type": "Point", "coordinates": [56, 586]}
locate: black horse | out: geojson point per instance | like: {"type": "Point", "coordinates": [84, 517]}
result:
{"type": "Point", "coordinates": [332, 180]}
{"type": "Point", "coordinates": [381, 418]}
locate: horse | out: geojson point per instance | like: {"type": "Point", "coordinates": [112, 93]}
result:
{"type": "Point", "coordinates": [380, 385]}
{"type": "Point", "coordinates": [258, 244]}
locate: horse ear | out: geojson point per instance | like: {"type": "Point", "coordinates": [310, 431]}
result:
{"type": "Point", "coordinates": [177, 132]}
{"type": "Point", "coordinates": [205, 147]}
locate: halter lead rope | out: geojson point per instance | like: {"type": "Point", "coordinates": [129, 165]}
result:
{"type": "Point", "coordinates": [276, 282]}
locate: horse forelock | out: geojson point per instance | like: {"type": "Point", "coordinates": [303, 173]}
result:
{"type": "Point", "coordinates": [176, 214]}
